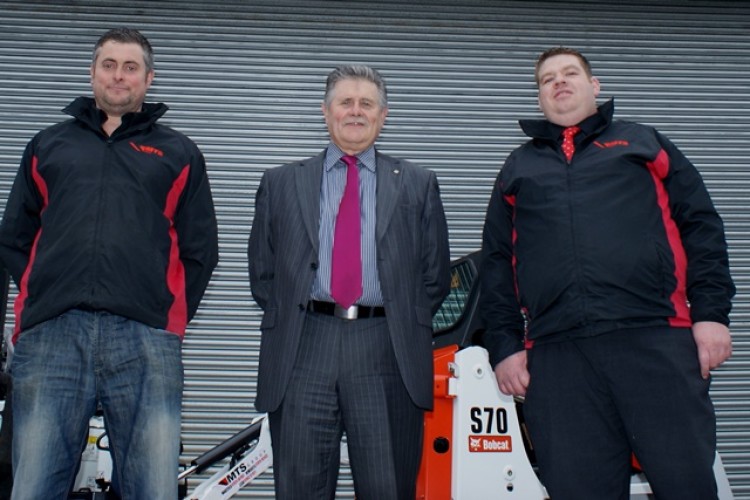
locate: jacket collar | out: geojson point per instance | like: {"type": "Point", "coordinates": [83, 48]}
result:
{"type": "Point", "coordinates": [546, 130]}
{"type": "Point", "coordinates": [308, 177]}
{"type": "Point", "coordinates": [85, 110]}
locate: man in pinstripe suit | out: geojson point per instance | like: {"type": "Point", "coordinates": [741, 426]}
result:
{"type": "Point", "coordinates": [325, 368]}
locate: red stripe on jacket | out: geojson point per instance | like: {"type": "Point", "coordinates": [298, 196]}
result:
{"type": "Point", "coordinates": [23, 287]}
{"type": "Point", "coordinates": [177, 316]}
{"type": "Point", "coordinates": [659, 169]}
{"type": "Point", "coordinates": [511, 200]}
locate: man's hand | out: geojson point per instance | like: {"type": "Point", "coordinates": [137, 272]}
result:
{"type": "Point", "coordinates": [512, 374]}
{"type": "Point", "coordinates": [714, 345]}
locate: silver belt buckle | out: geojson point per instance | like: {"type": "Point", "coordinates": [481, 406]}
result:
{"type": "Point", "coordinates": [352, 312]}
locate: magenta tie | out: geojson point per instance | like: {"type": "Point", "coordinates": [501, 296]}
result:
{"type": "Point", "coordinates": [568, 146]}
{"type": "Point", "coordinates": [346, 260]}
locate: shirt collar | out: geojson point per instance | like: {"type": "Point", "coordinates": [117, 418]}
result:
{"type": "Point", "coordinates": [334, 154]}
{"type": "Point", "coordinates": [543, 129]}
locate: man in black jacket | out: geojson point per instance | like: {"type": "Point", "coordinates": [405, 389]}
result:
{"type": "Point", "coordinates": [606, 294]}
{"type": "Point", "coordinates": [111, 237]}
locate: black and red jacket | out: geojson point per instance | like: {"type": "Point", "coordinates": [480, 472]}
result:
{"type": "Point", "coordinates": [124, 223]}
{"type": "Point", "coordinates": [624, 236]}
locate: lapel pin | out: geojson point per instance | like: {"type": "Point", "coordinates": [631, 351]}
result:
{"type": "Point", "coordinates": [396, 171]}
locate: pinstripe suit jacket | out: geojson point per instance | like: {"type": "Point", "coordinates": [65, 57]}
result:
{"type": "Point", "coordinates": [412, 259]}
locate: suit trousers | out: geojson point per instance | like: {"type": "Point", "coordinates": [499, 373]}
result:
{"type": "Point", "coordinates": [346, 379]}
{"type": "Point", "coordinates": [593, 401]}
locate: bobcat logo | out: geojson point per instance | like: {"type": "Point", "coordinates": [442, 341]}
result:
{"type": "Point", "coordinates": [475, 444]}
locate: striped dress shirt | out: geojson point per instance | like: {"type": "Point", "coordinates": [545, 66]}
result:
{"type": "Point", "coordinates": [331, 191]}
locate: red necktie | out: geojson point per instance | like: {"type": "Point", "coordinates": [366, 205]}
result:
{"type": "Point", "coordinates": [568, 146]}
{"type": "Point", "coordinates": [346, 260]}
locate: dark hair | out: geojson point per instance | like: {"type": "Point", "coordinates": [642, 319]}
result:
{"type": "Point", "coordinates": [557, 51]}
{"type": "Point", "coordinates": [356, 72]}
{"type": "Point", "coordinates": [127, 35]}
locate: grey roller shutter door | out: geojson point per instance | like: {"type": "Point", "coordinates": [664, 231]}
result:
{"type": "Point", "coordinates": [245, 80]}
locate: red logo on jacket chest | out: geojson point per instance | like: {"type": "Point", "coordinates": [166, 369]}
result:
{"type": "Point", "coordinates": [611, 144]}
{"type": "Point", "coordinates": [147, 149]}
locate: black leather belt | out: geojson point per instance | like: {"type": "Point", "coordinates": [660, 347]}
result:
{"type": "Point", "coordinates": [353, 312]}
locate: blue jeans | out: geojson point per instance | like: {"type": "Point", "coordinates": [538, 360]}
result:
{"type": "Point", "coordinates": [62, 369]}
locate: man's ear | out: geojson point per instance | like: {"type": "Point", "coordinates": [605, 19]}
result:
{"type": "Point", "coordinates": [149, 78]}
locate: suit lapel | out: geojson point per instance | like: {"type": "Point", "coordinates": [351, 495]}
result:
{"type": "Point", "coordinates": [389, 177]}
{"type": "Point", "coordinates": [309, 175]}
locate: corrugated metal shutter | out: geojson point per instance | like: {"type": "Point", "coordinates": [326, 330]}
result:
{"type": "Point", "coordinates": [245, 80]}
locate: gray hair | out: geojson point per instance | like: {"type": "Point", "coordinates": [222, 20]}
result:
{"type": "Point", "coordinates": [127, 35]}
{"type": "Point", "coordinates": [357, 72]}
